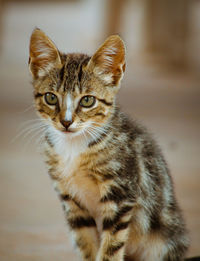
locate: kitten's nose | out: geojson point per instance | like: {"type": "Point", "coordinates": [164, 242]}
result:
{"type": "Point", "coordinates": [66, 124]}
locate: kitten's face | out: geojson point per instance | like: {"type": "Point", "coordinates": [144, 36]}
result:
{"type": "Point", "coordinates": [73, 92]}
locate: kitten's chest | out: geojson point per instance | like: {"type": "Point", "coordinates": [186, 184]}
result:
{"type": "Point", "coordinates": [75, 179]}
{"type": "Point", "coordinates": [79, 183]}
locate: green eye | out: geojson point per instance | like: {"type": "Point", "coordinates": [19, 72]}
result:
{"type": "Point", "coordinates": [87, 101]}
{"type": "Point", "coordinates": [51, 98]}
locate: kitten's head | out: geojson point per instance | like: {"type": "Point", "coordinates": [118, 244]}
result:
{"type": "Point", "coordinates": [75, 93]}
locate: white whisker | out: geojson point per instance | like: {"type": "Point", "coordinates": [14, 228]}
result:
{"type": "Point", "coordinates": [31, 129]}
{"type": "Point", "coordinates": [32, 132]}
{"type": "Point", "coordinates": [92, 134]}
{"type": "Point", "coordinates": [37, 132]}
{"type": "Point", "coordinates": [31, 121]}
{"type": "Point", "coordinates": [98, 129]}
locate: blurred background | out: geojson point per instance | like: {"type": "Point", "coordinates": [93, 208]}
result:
{"type": "Point", "coordinates": [161, 88]}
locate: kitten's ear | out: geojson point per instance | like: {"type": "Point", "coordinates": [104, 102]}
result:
{"type": "Point", "coordinates": [109, 60]}
{"type": "Point", "coordinates": [43, 54]}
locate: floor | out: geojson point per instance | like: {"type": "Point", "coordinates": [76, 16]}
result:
{"type": "Point", "coordinates": [32, 225]}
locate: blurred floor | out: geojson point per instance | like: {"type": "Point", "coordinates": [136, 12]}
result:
{"type": "Point", "coordinates": [32, 225]}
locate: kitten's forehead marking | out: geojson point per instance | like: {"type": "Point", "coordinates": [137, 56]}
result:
{"type": "Point", "coordinates": [69, 103]}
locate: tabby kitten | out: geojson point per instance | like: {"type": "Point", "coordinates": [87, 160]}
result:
{"type": "Point", "coordinates": [110, 175]}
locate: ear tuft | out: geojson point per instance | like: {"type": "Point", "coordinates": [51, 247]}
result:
{"type": "Point", "coordinates": [109, 60]}
{"type": "Point", "coordinates": [43, 54]}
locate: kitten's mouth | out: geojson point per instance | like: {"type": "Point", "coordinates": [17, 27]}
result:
{"type": "Point", "coordinates": [68, 131]}
{"type": "Point", "coordinates": [72, 133]}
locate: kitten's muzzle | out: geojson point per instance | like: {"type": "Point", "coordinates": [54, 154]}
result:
{"type": "Point", "coordinates": [66, 124]}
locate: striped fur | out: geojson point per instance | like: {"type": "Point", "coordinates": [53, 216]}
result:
{"type": "Point", "coordinates": [110, 175]}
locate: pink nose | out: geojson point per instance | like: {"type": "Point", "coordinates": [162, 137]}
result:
{"type": "Point", "coordinates": [66, 124]}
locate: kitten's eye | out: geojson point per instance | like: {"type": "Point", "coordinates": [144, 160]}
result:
{"type": "Point", "coordinates": [51, 98]}
{"type": "Point", "coordinates": [88, 101]}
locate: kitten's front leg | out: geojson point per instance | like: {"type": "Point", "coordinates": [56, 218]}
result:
{"type": "Point", "coordinates": [83, 227]}
{"type": "Point", "coordinates": [115, 228]}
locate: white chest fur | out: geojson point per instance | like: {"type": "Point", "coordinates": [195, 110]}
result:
{"type": "Point", "coordinates": [73, 180]}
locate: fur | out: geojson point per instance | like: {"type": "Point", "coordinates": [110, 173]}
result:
{"type": "Point", "coordinates": [109, 173]}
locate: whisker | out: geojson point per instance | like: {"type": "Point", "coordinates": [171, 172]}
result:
{"type": "Point", "coordinates": [38, 132]}
{"type": "Point", "coordinates": [32, 121]}
{"type": "Point", "coordinates": [40, 140]}
{"type": "Point", "coordinates": [28, 129]}
{"type": "Point", "coordinates": [27, 109]}
{"type": "Point", "coordinates": [92, 134]}
{"type": "Point", "coordinates": [95, 137]}
{"type": "Point", "coordinates": [28, 125]}
{"type": "Point", "coordinates": [101, 126]}
{"type": "Point", "coordinates": [98, 129]}
{"type": "Point", "coordinates": [85, 138]}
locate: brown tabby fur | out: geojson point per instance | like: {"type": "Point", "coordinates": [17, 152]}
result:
{"type": "Point", "coordinates": [110, 174]}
